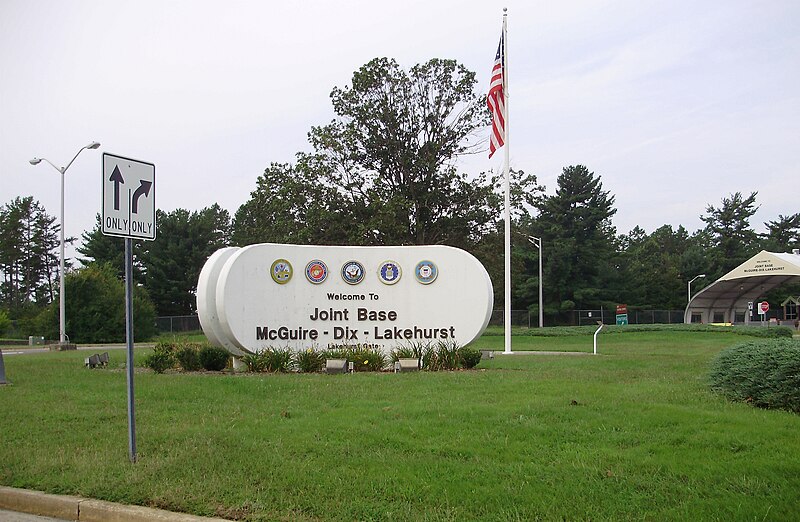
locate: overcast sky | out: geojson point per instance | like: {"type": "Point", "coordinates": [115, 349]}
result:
{"type": "Point", "coordinates": [675, 105]}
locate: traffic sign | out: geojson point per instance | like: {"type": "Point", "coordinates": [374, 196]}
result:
{"type": "Point", "coordinates": [129, 198]}
{"type": "Point", "coordinates": [763, 307]}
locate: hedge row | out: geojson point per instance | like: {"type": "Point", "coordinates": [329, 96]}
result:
{"type": "Point", "coordinates": [763, 373]}
{"type": "Point", "coordinates": [198, 356]}
{"type": "Point", "coordinates": [365, 358]}
{"type": "Point", "coordinates": [772, 332]}
{"type": "Point", "coordinates": [189, 357]}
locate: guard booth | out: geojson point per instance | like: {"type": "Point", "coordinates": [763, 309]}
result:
{"type": "Point", "coordinates": [791, 311]}
{"type": "Point", "coordinates": [733, 298]}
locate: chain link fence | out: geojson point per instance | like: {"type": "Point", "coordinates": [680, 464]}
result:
{"type": "Point", "coordinates": [178, 323]}
{"type": "Point", "coordinates": [587, 317]}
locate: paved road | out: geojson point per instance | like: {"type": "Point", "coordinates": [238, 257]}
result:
{"type": "Point", "coordinates": [13, 516]}
{"type": "Point", "coordinates": [11, 350]}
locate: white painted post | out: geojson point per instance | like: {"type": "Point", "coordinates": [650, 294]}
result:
{"type": "Point", "coordinates": [595, 336]}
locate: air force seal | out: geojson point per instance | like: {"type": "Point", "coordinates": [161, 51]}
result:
{"type": "Point", "coordinates": [281, 271]}
{"type": "Point", "coordinates": [389, 272]}
{"type": "Point", "coordinates": [352, 272]}
{"type": "Point", "coordinates": [426, 272]}
{"type": "Point", "coordinates": [316, 271]}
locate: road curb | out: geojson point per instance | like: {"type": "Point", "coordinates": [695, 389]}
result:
{"type": "Point", "coordinates": [37, 503]}
{"type": "Point", "coordinates": [83, 509]}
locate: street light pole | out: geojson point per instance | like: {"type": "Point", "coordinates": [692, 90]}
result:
{"type": "Point", "coordinates": [689, 287]}
{"type": "Point", "coordinates": [61, 302]}
{"type": "Point", "coordinates": [537, 242]}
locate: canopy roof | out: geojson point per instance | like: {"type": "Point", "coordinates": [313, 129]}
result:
{"type": "Point", "coordinates": [745, 283]}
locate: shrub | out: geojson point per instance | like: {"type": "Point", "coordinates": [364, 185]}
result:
{"type": "Point", "coordinates": [277, 359]}
{"type": "Point", "coordinates": [95, 308]}
{"type": "Point", "coordinates": [773, 332]}
{"type": "Point", "coordinates": [213, 358]}
{"type": "Point", "coordinates": [309, 361]}
{"type": "Point", "coordinates": [410, 351]}
{"type": "Point", "coordinates": [365, 357]}
{"type": "Point", "coordinates": [763, 373]}
{"type": "Point", "coordinates": [335, 353]}
{"type": "Point", "coordinates": [162, 358]}
{"type": "Point", "coordinates": [403, 352]}
{"type": "Point", "coordinates": [441, 356]}
{"type": "Point", "coordinates": [569, 331]}
{"type": "Point", "coordinates": [254, 361]}
{"type": "Point", "coordinates": [5, 323]}
{"type": "Point", "coordinates": [470, 357]}
{"type": "Point", "coordinates": [188, 356]}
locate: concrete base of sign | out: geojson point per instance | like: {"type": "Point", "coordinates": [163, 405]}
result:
{"type": "Point", "coordinates": [336, 366]}
{"type": "Point", "coordinates": [238, 365]}
{"type": "Point", "coordinates": [487, 354]}
{"type": "Point", "coordinates": [406, 365]}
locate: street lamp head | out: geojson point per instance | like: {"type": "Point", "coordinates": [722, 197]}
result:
{"type": "Point", "coordinates": [701, 275]}
{"type": "Point", "coordinates": [35, 161]}
{"type": "Point", "coordinates": [93, 145]}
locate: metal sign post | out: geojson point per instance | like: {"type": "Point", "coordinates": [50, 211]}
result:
{"type": "Point", "coordinates": [129, 211]}
{"type": "Point", "coordinates": [129, 342]}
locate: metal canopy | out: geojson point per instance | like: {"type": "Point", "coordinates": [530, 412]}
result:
{"type": "Point", "coordinates": [744, 284]}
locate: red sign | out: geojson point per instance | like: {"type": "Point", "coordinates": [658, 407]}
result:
{"type": "Point", "coordinates": [622, 309]}
{"type": "Point", "coordinates": [763, 306]}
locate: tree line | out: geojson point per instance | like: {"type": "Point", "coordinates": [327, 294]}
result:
{"type": "Point", "coordinates": [384, 171]}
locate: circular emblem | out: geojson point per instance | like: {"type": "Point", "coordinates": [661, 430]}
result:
{"type": "Point", "coordinates": [426, 272]}
{"type": "Point", "coordinates": [389, 272]}
{"type": "Point", "coordinates": [352, 272]}
{"type": "Point", "coordinates": [316, 271]}
{"type": "Point", "coordinates": [281, 271]}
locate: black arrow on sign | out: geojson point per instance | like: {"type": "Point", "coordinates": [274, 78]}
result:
{"type": "Point", "coordinates": [144, 189]}
{"type": "Point", "coordinates": [117, 178]}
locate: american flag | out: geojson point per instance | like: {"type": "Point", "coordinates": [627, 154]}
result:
{"type": "Point", "coordinates": [496, 102]}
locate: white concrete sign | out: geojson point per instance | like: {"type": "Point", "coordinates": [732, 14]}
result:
{"type": "Point", "coordinates": [273, 295]}
{"type": "Point", "coordinates": [129, 198]}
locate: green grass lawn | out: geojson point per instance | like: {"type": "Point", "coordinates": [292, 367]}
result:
{"type": "Point", "coordinates": [632, 434]}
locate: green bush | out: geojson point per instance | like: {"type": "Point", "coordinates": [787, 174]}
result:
{"type": "Point", "coordinates": [278, 359]}
{"type": "Point", "coordinates": [309, 361]}
{"type": "Point", "coordinates": [470, 357]}
{"type": "Point", "coordinates": [404, 352]}
{"type": "Point", "coordinates": [255, 362]}
{"type": "Point", "coordinates": [413, 350]}
{"type": "Point", "coordinates": [188, 356]}
{"type": "Point", "coordinates": [213, 358]}
{"type": "Point", "coordinates": [365, 357]}
{"type": "Point", "coordinates": [570, 331]}
{"type": "Point", "coordinates": [5, 323]}
{"type": "Point", "coordinates": [95, 308]}
{"type": "Point", "coordinates": [773, 332]}
{"type": "Point", "coordinates": [270, 360]}
{"type": "Point", "coordinates": [441, 356]}
{"type": "Point", "coordinates": [762, 373]}
{"type": "Point", "coordinates": [162, 358]}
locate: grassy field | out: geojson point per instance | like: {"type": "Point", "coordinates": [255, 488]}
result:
{"type": "Point", "coordinates": [632, 434]}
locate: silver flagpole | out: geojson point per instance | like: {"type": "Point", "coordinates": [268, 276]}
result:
{"type": "Point", "coordinates": [507, 314]}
